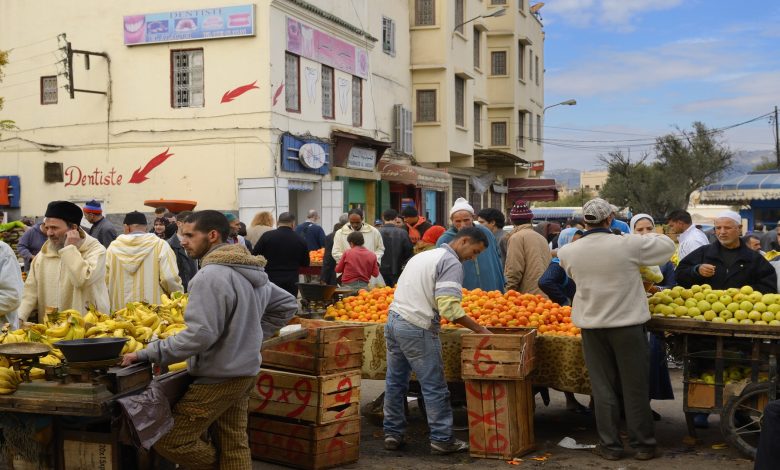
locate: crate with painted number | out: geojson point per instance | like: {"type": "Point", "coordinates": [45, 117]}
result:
{"type": "Point", "coordinates": [305, 446]}
{"type": "Point", "coordinates": [328, 348]}
{"type": "Point", "coordinates": [508, 354]}
{"type": "Point", "coordinates": [308, 398]}
{"type": "Point", "coordinates": [501, 418]}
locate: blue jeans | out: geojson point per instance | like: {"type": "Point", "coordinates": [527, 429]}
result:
{"type": "Point", "coordinates": [413, 349]}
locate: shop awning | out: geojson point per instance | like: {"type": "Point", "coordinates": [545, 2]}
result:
{"type": "Point", "coordinates": [415, 175]}
{"type": "Point", "coordinates": [759, 185]}
{"type": "Point", "coordinates": [496, 158]}
{"type": "Point", "coordinates": [556, 212]}
{"type": "Point", "coordinates": [532, 189]}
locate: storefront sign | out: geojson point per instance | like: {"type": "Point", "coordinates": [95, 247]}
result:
{"type": "Point", "coordinates": [361, 158]}
{"type": "Point", "coordinates": [537, 165]}
{"type": "Point", "coordinates": [190, 25]}
{"type": "Point", "coordinates": [321, 47]}
{"type": "Point", "coordinates": [76, 176]}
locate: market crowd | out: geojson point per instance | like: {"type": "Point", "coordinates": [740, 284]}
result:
{"type": "Point", "coordinates": [593, 264]}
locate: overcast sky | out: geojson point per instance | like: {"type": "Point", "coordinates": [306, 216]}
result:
{"type": "Point", "coordinates": [639, 68]}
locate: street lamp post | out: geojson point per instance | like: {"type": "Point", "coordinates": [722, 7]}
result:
{"type": "Point", "coordinates": [495, 14]}
{"type": "Point", "coordinates": [571, 102]}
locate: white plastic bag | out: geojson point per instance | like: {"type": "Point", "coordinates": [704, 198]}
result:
{"type": "Point", "coordinates": [378, 281]}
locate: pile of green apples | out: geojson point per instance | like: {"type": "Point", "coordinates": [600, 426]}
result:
{"type": "Point", "coordinates": [731, 375]}
{"type": "Point", "coordinates": [742, 306]}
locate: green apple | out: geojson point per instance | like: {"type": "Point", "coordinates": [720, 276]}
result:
{"type": "Point", "coordinates": [709, 315]}
{"type": "Point", "coordinates": [703, 305]}
{"type": "Point", "coordinates": [746, 321]}
{"type": "Point", "coordinates": [686, 294]}
{"type": "Point", "coordinates": [774, 308]}
{"type": "Point", "coordinates": [667, 300]}
{"type": "Point", "coordinates": [717, 307]}
{"type": "Point", "coordinates": [731, 320]}
{"type": "Point", "coordinates": [740, 314]}
{"type": "Point", "coordinates": [678, 288]}
{"type": "Point", "coordinates": [747, 290]}
{"type": "Point", "coordinates": [680, 310]}
{"type": "Point", "coordinates": [699, 317]}
{"type": "Point", "coordinates": [777, 316]}
{"type": "Point", "coordinates": [705, 287]}
{"type": "Point", "coordinates": [679, 301]}
{"type": "Point", "coordinates": [746, 305]}
{"type": "Point", "coordinates": [668, 310]}
{"type": "Point", "coordinates": [754, 315]}
{"type": "Point", "coordinates": [759, 306]}
{"type": "Point", "coordinates": [768, 298]}
{"type": "Point", "coordinates": [685, 316]}
{"type": "Point", "coordinates": [766, 316]}
{"type": "Point", "coordinates": [699, 296]}
{"type": "Point", "coordinates": [718, 320]}
{"type": "Point", "coordinates": [732, 291]}
{"type": "Point", "coordinates": [696, 289]}
{"type": "Point", "coordinates": [755, 297]}
{"type": "Point", "coordinates": [694, 312]}
{"type": "Point", "coordinates": [725, 299]}
{"type": "Point", "coordinates": [690, 303]}
{"type": "Point", "coordinates": [775, 322]}
{"type": "Point", "coordinates": [726, 314]}
{"type": "Point", "coordinates": [739, 297]}
{"type": "Point", "coordinates": [658, 309]}
{"type": "Point", "coordinates": [733, 306]}
{"type": "Point", "coordinates": [760, 322]}
{"type": "Point", "coordinates": [673, 294]}
{"type": "Point", "coordinates": [711, 297]}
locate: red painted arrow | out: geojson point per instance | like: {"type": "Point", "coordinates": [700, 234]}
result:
{"type": "Point", "coordinates": [278, 92]}
{"type": "Point", "coordinates": [139, 175]}
{"type": "Point", "coordinates": [232, 94]}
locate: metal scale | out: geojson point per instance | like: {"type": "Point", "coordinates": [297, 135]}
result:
{"type": "Point", "coordinates": [316, 298]}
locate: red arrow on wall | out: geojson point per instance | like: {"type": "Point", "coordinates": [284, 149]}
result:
{"type": "Point", "coordinates": [232, 94]}
{"type": "Point", "coordinates": [139, 175]}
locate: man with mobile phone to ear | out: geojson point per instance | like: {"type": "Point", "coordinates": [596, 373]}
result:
{"type": "Point", "coordinates": [70, 270]}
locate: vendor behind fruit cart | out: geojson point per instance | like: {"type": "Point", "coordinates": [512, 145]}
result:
{"type": "Point", "coordinates": [430, 287]}
{"type": "Point", "coordinates": [486, 271]}
{"type": "Point", "coordinates": [70, 270]}
{"type": "Point", "coordinates": [727, 262]}
{"type": "Point", "coordinates": [232, 307]}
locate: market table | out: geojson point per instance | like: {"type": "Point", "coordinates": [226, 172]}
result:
{"type": "Point", "coordinates": [559, 361]}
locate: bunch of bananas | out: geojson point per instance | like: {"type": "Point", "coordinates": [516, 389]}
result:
{"type": "Point", "coordinates": [9, 380]}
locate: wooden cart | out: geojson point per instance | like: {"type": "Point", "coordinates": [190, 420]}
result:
{"type": "Point", "coordinates": [719, 347]}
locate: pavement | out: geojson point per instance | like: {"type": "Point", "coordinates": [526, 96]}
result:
{"type": "Point", "coordinates": [551, 424]}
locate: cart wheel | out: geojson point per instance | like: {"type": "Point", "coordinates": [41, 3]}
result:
{"type": "Point", "coordinates": [740, 420]}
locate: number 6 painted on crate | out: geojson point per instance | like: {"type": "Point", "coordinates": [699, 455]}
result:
{"type": "Point", "coordinates": [480, 367]}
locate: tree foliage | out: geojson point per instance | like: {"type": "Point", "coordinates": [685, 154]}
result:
{"type": "Point", "coordinates": [5, 124]}
{"type": "Point", "coordinates": [660, 183]}
{"type": "Point", "coordinates": [765, 164]}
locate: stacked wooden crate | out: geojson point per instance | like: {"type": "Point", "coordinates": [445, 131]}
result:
{"type": "Point", "coordinates": [499, 399]}
{"type": "Point", "coordinates": [304, 410]}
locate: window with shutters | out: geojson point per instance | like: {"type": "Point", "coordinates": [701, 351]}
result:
{"type": "Point", "coordinates": [328, 103]}
{"type": "Point", "coordinates": [520, 129]}
{"type": "Point", "coordinates": [426, 105]}
{"type": "Point", "coordinates": [495, 201]}
{"type": "Point", "coordinates": [539, 129]}
{"type": "Point", "coordinates": [403, 129]}
{"type": "Point", "coordinates": [520, 61]}
{"type": "Point", "coordinates": [425, 12]}
{"type": "Point", "coordinates": [530, 64]}
{"type": "Point", "coordinates": [477, 122]}
{"type": "Point", "coordinates": [498, 134]}
{"type": "Point", "coordinates": [357, 101]}
{"type": "Point", "coordinates": [475, 200]}
{"type": "Point", "coordinates": [459, 187]}
{"type": "Point", "coordinates": [477, 48]}
{"type": "Point", "coordinates": [459, 18]}
{"type": "Point", "coordinates": [536, 73]}
{"type": "Point", "coordinates": [460, 101]}
{"type": "Point", "coordinates": [388, 36]}
{"type": "Point", "coordinates": [498, 2]}
{"type": "Point", "coordinates": [49, 90]}
{"type": "Point", "coordinates": [530, 128]}
{"type": "Point", "coordinates": [187, 76]}
{"type": "Point", "coordinates": [292, 83]}
{"type": "Point", "coordinates": [498, 63]}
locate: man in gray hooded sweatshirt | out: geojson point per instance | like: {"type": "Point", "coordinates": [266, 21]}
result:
{"type": "Point", "coordinates": [231, 307]}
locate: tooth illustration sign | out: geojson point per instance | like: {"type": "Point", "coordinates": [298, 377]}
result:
{"type": "Point", "coordinates": [233, 94]}
{"type": "Point", "coordinates": [139, 175]}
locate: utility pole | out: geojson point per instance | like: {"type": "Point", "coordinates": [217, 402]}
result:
{"type": "Point", "coordinates": [777, 141]}
{"type": "Point", "coordinates": [69, 51]}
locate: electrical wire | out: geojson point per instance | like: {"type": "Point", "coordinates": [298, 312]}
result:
{"type": "Point", "coordinates": [11, 60]}
{"type": "Point", "coordinates": [30, 44]}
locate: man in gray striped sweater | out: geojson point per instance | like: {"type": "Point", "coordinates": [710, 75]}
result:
{"type": "Point", "coordinates": [430, 287]}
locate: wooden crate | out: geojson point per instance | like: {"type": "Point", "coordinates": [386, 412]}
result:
{"type": "Point", "coordinates": [498, 356]}
{"type": "Point", "coordinates": [501, 418]}
{"type": "Point", "coordinates": [89, 451]}
{"type": "Point", "coordinates": [308, 398]}
{"type": "Point", "coordinates": [327, 349]}
{"type": "Point", "coordinates": [304, 446]}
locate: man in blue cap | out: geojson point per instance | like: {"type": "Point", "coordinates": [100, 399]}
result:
{"type": "Point", "coordinates": [102, 229]}
{"type": "Point", "coordinates": [234, 238]}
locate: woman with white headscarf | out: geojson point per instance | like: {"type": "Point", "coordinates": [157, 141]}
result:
{"type": "Point", "coordinates": [660, 383]}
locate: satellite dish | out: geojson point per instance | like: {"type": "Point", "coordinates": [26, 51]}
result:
{"type": "Point", "coordinates": [312, 156]}
{"type": "Point", "coordinates": [537, 7]}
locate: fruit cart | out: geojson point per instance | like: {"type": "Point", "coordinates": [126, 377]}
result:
{"type": "Point", "coordinates": [730, 369]}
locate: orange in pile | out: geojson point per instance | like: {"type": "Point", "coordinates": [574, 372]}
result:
{"type": "Point", "coordinates": [491, 309]}
{"type": "Point", "coordinates": [315, 256]}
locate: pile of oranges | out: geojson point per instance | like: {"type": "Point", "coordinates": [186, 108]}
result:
{"type": "Point", "coordinates": [491, 309]}
{"type": "Point", "coordinates": [315, 256]}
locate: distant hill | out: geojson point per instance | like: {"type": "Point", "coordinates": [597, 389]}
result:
{"type": "Point", "coordinates": [746, 160]}
{"type": "Point", "coordinates": [568, 177]}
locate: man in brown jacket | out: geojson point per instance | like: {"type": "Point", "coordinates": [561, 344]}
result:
{"type": "Point", "coordinates": [528, 254]}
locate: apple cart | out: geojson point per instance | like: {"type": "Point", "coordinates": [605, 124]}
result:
{"type": "Point", "coordinates": [730, 369]}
